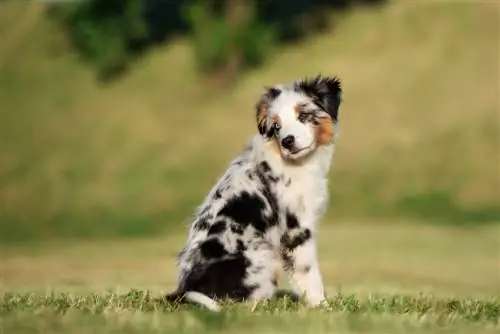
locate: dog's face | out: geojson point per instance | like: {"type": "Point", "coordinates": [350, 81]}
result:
{"type": "Point", "coordinates": [300, 117]}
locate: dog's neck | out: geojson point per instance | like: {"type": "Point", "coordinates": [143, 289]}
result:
{"type": "Point", "coordinates": [317, 163]}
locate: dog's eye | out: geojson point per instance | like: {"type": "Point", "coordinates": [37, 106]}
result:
{"type": "Point", "coordinates": [277, 126]}
{"type": "Point", "coordinates": [302, 117]}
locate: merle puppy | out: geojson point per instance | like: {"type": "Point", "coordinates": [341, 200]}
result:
{"type": "Point", "coordinates": [266, 207]}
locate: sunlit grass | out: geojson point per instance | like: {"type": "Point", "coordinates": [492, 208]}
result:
{"type": "Point", "coordinates": [397, 277]}
{"type": "Point", "coordinates": [137, 312]}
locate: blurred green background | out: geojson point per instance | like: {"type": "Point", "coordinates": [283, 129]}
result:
{"type": "Point", "coordinates": [116, 117]}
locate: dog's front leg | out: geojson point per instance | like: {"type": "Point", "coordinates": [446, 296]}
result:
{"type": "Point", "coordinates": [301, 261]}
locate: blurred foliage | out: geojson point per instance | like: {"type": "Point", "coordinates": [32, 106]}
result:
{"type": "Point", "coordinates": [106, 33]}
{"type": "Point", "coordinates": [222, 43]}
{"type": "Point", "coordinates": [228, 35]}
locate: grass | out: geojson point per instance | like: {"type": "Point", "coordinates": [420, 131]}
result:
{"type": "Point", "coordinates": [384, 277]}
{"type": "Point", "coordinates": [137, 312]}
{"type": "Point", "coordinates": [419, 136]}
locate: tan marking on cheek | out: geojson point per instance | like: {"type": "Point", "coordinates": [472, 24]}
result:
{"type": "Point", "coordinates": [324, 132]}
{"type": "Point", "coordinates": [262, 115]}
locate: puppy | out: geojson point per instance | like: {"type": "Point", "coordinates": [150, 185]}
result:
{"type": "Point", "coordinates": [266, 207]}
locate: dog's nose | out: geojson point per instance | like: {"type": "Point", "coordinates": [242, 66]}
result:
{"type": "Point", "coordinates": [288, 141]}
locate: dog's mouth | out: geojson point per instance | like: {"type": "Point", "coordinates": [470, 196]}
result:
{"type": "Point", "coordinates": [296, 151]}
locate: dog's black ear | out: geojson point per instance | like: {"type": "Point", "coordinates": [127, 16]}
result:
{"type": "Point", "coordinates": [273, 92]}
{"type": "Point", "coordinates": [326, 92]}
{"type": "Point", "coordinates": [262, 108]}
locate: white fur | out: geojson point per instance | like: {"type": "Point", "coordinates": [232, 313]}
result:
{"type": "Point", "coordinates": [200, 298]}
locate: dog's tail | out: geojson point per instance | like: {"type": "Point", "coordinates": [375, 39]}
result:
{"type": "Point", "coordinates": [194, 297]}
{"type": "Point", "coordinates": [200, 298]}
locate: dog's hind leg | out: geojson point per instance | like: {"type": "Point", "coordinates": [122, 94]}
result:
{"type": "Point", "coordinates": [262, 275]}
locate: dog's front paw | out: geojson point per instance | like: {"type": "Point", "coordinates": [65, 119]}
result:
{"type": "Point", "coordinates": [320, 303]}
{"type": "Point", "coordinates": [325, 305]}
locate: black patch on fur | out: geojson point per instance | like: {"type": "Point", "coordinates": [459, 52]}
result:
{"type": "Point", "coordinates": [221, 279]}
{"type": "Point", "coordinates": [217, 194]}
{"type": "Point", "coordinates": [324, 91]}
{"type": "Point", "coordinates": [291, 220]}
{"type": "Point", "coordinates": [262, 128]}
{"type": "Point", "coordinates": [212, 249]}
{"type": "Point", "coordinates": [202, 223]}
{"type": "Point", "coordinates": [240, 246]}
{"type": "Point", "coordinates": [270, 132]}
{"type": "Point", "coordinates": [273, 92]}
{"type": "Point", "coordinates": [273, 179]}
{"type": "Point", "coordinates": [264, 165]}
{"type": "Point", "coordinates": [287, 259]}
{"type": "Point", "coordinates": [265, 170]}
{"type": "Point", "coordinates": [237, 229]}
{"type": "Point", "coordinates": [217, 227]}
{"type": "Point", "coordinates": [247, 209]}
{"type": "Point", "coordinates": [290, 243]}
{"type": "Point", "coordinates": [249, 175]}
{"type": "Point", "coordinates": [264, 173]}
{"type": "Point", "coordinates": [267, 179]}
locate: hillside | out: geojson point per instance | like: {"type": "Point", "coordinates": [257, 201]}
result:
{"type": "Point", "coordinates": [419, 123]}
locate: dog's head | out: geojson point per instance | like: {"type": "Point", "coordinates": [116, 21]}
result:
{"type": "Point", "coordinates": [300, 117]}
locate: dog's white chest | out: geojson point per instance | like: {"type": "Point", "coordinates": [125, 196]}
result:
{"type": "Point", "coordinates": [305, 195]}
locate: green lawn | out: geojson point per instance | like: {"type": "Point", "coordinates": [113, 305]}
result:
{"type": "Point", "coordinates": [136, 312]}
{"type": "Point", "coordinates": [388, 277]}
